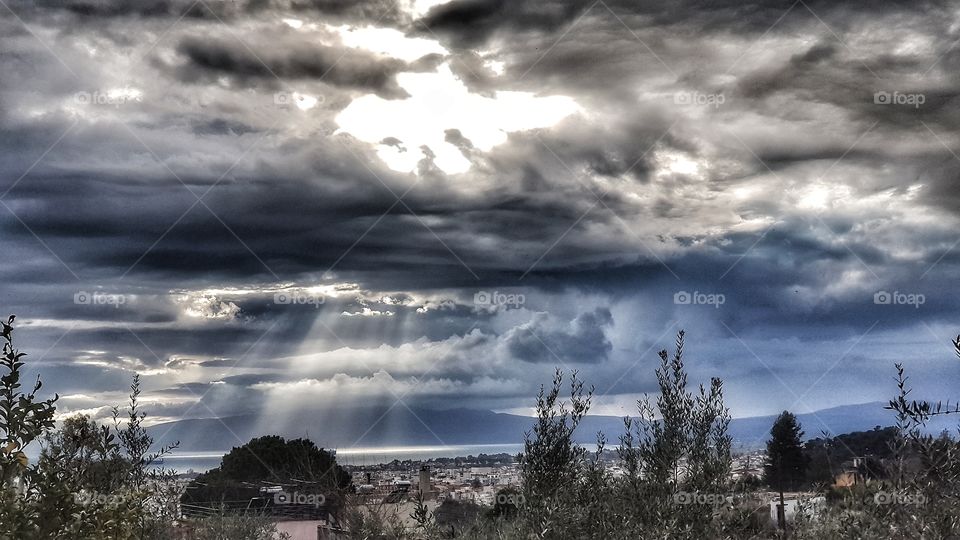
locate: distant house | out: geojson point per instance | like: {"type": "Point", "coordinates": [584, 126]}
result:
{"type": "Point", "coordinates": [845, 479]}
{"type": "Point", "coordinates": [857, 471]}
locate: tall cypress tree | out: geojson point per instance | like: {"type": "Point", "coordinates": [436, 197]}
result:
{"type": "Point", "coordinates": [786, 464]}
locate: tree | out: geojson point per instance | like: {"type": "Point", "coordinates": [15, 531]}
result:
{"type": "Point", "coordinates": [552, 463]}
{"type": "Point", "coordinates": [678, 444]}
{"type": "Point", "coordinates": [551, 460]}
{"type": "Point", "coordinates": [683, 427]}
{"type": "Point", "coordinates": [826, 453]}
{"type": "Point", "coordinates": [90, 481]}
{"type": "Point", "coordinates": [270, 460]}
{"type": "Point", "coordinates": [23, 418]}
{"type": "Point", "coordinates": [786, 464]}
{"type": "Point", "coordinates": [273, 458]}
{"type": "Point", "coordinates": [99, 481]}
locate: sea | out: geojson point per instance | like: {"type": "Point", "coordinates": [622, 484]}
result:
{"type": "Point", "coordinates": [186, 461]}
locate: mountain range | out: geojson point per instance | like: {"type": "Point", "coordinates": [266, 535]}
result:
{"type": "Point", "coordinates": [402, 426]}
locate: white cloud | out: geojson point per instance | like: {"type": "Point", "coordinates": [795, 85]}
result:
{"type": "Point", "coordinates": [367, 312]}
{"type": "Point", "coordinates": [208, 307]}
{"type": "Point", "coordinates": [387, 41]}
{"type": "Point", "coordinates": [381, 383]}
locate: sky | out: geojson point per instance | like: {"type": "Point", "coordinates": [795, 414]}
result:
{"type": "Point", "coordinates": [294, 205]}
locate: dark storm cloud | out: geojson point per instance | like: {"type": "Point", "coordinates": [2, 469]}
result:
{"type": "Point", "coordinates": [98, 208]}
{"type": "Point", "coordinates": [119, 8]}
{"type": "Point", "coordinates": [601, 216]}
{"type": "Point", "coordinates": [221, 126]}
{"type": "Point", "coordinates": [943, 174]}
{"type": "Point", "coordinates": [825, 73]}
{"type": "Point", "coordinates": [582, 341]}
{"type": "Point", "coordinates": [209, 59]}
{"type": "Point", "coordinates": [382, 10]}
{"type": "Point", "coordinates": [610, 151]}
{"type": "Point", "coordinates": [470, 22]}
{"type": "Point", "coordinates": [89, 207]}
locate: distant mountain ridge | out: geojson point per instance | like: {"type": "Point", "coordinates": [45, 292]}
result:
{"type": "Point", "coordinates": [400, 426]}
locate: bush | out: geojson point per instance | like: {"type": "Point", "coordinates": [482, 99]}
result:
{"type": "Point", "coordinates": [91, 481]}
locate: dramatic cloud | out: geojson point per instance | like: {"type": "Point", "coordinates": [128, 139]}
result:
{"type": "Point", "coordinates": [583, 341]}
{"type": "Point", "coordinates": [252, 203]}
{"type": "Point", "coordinates": [213, 59]}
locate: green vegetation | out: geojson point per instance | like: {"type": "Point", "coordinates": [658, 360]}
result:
{"type": "Point", "coordinates": [826, 456]}
{"type": "Point", "coordinates": [96, 481]}
{"type": "Point", "coordinates": [675, 482]}
{"type": "Point", "coordinates": [297, 465]}
{"type": "Point", "coordinates": [91, 481]}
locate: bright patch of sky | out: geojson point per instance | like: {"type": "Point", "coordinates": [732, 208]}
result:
{"type": "Point", "coordinates": [388, 41]}
{"type": "Point", "coordinates": [440, 102]}
{"type": "Point", "coordinates": [419, 8]}
{"type": "Point", "coordinates": [304, 102]}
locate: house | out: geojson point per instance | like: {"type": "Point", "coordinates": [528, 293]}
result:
{"type": "Point", "coordinates": [859, 470]}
